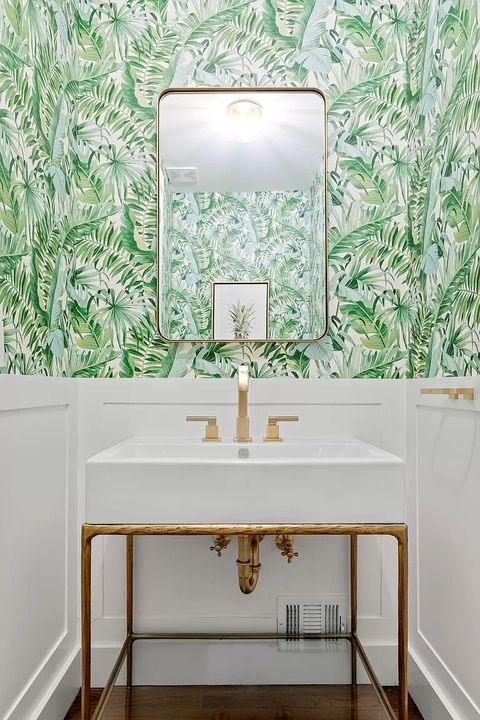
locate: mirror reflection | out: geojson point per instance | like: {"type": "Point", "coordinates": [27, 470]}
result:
{"type": "Point", "coordinates": [241, 244]}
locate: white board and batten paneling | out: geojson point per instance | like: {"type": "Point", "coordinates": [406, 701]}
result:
{"type": "Point", "coordinates": [46, 438]}
{"type": "Point", "coordinates": [444, 506]}
{"type": "Point", "coordinates": [38, 537]}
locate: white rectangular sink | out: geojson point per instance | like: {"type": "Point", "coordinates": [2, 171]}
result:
{"type": "Point", "coordinates": [146, 481]}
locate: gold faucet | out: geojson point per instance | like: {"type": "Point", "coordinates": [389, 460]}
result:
{"type": "Point", "coordinates": [243, 422]}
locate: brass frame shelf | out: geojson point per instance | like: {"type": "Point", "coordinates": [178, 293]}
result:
{"type": "Point", "coordinates": [89, 531]}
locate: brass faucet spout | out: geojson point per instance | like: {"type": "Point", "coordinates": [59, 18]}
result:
{"type": "Point", "coordinates": [243, 378]}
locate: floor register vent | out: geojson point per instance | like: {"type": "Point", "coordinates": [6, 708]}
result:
{"type": "Point", "coordinates": [297, 617]}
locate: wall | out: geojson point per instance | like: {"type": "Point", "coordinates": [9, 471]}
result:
{"type": "Point", "coordinates": [39, 429]}
{"type": "Point", "coordinates": [443, 442]}
{"type": "Point", "coordinates": [39, 537]}
{"type": "Point", "coordinates": [444, 232]}
{"type": "Point", "coordinates": [78, 82]}
{"type": "Point", "coordinates": [39, 222]}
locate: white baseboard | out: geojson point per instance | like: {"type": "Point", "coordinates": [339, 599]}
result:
{"type": "Point", "coordinates": [63, 692]}
{"type": "Point", "coordinates": [41, 701]}
{"type": "Point", "coordinates": [428, 696]}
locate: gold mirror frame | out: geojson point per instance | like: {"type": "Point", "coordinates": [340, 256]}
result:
{"type": "Point", "coordinates": [246, 90]}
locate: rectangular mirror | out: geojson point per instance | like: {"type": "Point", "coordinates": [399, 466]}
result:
{"type": "Point", "coordinates": [241, 214]}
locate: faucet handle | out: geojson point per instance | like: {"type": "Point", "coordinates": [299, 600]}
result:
{"type": "Point", "coordinates": [272, 433]}
{"type": "Point", "coordinates": [211, 428]}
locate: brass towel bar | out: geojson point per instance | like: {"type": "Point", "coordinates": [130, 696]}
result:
{"type": "Point", "coordinates": [453, 393]}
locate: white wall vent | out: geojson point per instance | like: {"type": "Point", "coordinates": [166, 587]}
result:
{"type": "Point", "coordinates": [297, 616]}
{"type": "Point", "coordinates": [182, 175]}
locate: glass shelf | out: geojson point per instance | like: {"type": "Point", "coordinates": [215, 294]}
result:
{"type": "Point", "coordinates": [311, 678]}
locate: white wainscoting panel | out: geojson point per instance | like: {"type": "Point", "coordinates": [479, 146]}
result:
{"type": "Point", "coordinates": [48, 428]}
{"type": "Point", "coordinates": [38, 537]}
{"type": "Point", "coordinates": [444, 506]}
{"type": "Point", "coordinates": [183, 586]}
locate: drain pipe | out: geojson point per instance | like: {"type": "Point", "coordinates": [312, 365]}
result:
{"type": "Point", "coordinates": [248, 562]}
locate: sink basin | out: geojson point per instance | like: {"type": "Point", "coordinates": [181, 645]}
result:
{"type": "Point", "coordinates": [145, 481]}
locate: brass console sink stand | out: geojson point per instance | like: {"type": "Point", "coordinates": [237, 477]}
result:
{"type": "Point", "coordinates": [129, 531]}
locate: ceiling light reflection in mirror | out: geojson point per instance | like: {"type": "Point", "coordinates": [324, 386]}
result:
{"type": "Point", "coordinates": [245, 119]}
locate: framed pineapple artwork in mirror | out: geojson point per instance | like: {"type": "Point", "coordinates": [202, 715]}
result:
{"type": "Point", "coordinates": [242, 251]}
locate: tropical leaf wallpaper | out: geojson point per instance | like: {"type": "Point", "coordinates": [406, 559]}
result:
{"type": "Point", "coordinates": [78, 84]}
{"type": "Point", "coordinates": [239, 237]}
{"type": "Point", "coordinates": [443, 94]}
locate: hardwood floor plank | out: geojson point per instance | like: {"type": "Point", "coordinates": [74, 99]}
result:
{"type": "Point", "coordinates": [244, 702]}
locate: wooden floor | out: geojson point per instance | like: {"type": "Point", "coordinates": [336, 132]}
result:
{"type": "Point", "coordinates": [242, 702]}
